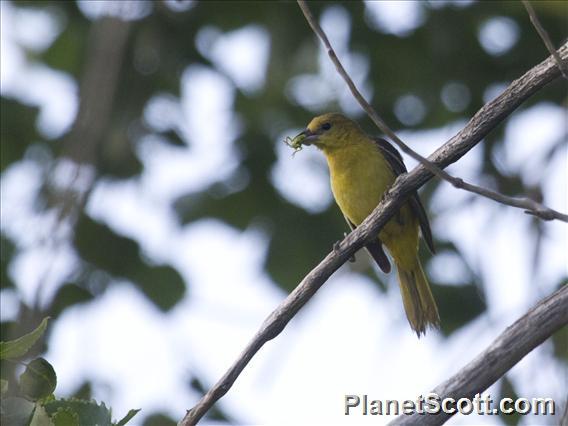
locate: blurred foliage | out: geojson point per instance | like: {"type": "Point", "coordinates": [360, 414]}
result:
{"type": "Point", "coordinates": [6, 254]}
{"type": "Point", "coordinates": [159, 419]}
{"type": "Point", "coordinates": [507, 390]}
{"type": "Point", "coordinates": [29, 400]}
{"type": "Point", "coordinates": [120, 257]}
{"type": "Point", "coordinates": [161, 45]}
{"type": "Point", "coordinates": [461, 305]}
{"type": "Point", "coordinates": [214, 414]}
{"type": "Point", "coordinates": [17, 131]}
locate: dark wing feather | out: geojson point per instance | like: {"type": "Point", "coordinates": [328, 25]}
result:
{"type": "Point", "coordinates": [376, 251]}
{"type": "Point", "coordinates": [396, 163]}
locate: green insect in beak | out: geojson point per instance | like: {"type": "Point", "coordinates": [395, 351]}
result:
{"type": "Point", "coordinates": [296, 142]}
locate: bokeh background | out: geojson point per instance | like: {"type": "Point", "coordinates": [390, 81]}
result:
{"type": "Point", "coordinates": [151, 208]}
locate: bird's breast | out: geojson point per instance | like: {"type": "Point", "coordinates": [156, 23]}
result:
{"type": "Point", "coordinates": [359, 178]}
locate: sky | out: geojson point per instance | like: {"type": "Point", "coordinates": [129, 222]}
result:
{"type": "Point", "coordinates": [349, 339]}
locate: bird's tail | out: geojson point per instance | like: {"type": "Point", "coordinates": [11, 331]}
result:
{"type": "Point", "coordinates": [419, 304]}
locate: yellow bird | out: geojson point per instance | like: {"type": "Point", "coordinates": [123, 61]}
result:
{"type": "Point", "coordinates": [361, 170]}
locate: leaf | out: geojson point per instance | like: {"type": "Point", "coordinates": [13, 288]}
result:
{"type": "Point", "coordinates": [65, 417]}
{"type": "Point", "coordinates": [84, 391]}
{"type": "Point", "coordinates": [173, 138]}
{"type": "Point", "coordinates": [458, 305]}
{"type": "Point", "coordinates": [101, 246]}
{"type": "Point", "coordinates": [65, 53]}
{"type": "Point", "coordinates": [3, 386]}
{"type": "Point", "coordinates": [69, 294]}
{"type": "Point", "coordinates": [213, 414]}
{"type": "Point", "coordinates": [19, 347]}
{"type": "Point", "coordinates": [163, 285]}
{"type": "Point", "coordinates": [18, 130]}
{"type": "Point", "coordinates": [128, 417]}
{"type": "Point", "coordinates": [7, 251]}
{"type": "Point", "coordinates": [560, 343]}
{"type": "Point", "coordinates": [38, 380]}
{"type": "Point", "coordinates": [197, 386]}
{"type": "Point", "coordinates": [159, 419]}
{"type": "Point", "coordinates": [508, 391]}
{"type": "Point", "coordinates": [121, 257]}
{"type": "Point", "coordinates": [89, 412]}
{"type": "Point", "coordinates": [117, 158]}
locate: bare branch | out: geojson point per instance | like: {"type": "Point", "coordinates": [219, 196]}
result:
{"type": "Point", "coordinates": [529, 331]}
{"type": "Point", "coordinates": [530, 206]}
{"type": "Point", "coordinates": [486, 119]}
{"type": "Point", "coordinates": [545, 38]}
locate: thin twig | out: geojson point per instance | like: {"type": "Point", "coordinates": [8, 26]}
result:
{"type": "Point", "coordinates": [485, 120]}
{"type": "Point", "coordinates": [545, 38]}
{"type": "Point", "coordinates": [530, 206]}
{"type": "Point", "coordinates": [525, 334]}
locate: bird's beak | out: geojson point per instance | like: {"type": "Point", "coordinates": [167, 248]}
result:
{"type": "Point", "coordinates": [307, 137]}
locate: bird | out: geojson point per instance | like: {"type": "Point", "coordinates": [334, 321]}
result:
{"type": "Point", "coordinates": [362, 169]}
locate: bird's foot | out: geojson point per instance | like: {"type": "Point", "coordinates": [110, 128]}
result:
{"type": "Point", "coordinates": [336, 249]}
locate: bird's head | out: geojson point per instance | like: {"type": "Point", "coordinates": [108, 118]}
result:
{"type": "Point", "coordinates": [328, 131]}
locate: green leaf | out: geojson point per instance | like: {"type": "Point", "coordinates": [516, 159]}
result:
{"type": "Point", "coordinates": [69, 294]}
{"type": "Point", "coordinates": [128, 417]}
{"type": "Point", "coordinates": [15, 411]}
{"type": "Point", "coordinates": [163, 285]}
{"type": "Point", "coordinates": [121, 257]}
{"type": "Point", "coordinates": [7, 251]}
{"type": "Point", "coordinates": [19, 347]}
{"type": "Point", "coordinates": [508, 391]}
{"type": "Point", "coordinates": [84, 391]}
{"type": "Point", "coordinates": [18, 130]}
{"type": "Point", "coordinates": [3, 386]}
{"type": "Point", "coordinates": [65, 53]}
{"type": "Point", "coordinates": [38, 380]}
{"type": "Point", "coordinates": [213, 414]}
{"type": "Point", "coordinates": [89, 412]}
{"type": "Point", "coordinates": [173, 138]}
{"type": "Point", "coordinates": [65, 417]}
{"type": "Point", "coordinates": [560, 343]}
{"type": "Point", "coordinates": [101, 246]}
{"type": "Point", "coordinates": [458, 305]}
{"type": "Point", "coordinates": [159, 419]}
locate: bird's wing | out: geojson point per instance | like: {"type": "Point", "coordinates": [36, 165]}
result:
{"type": "Point", "coordinates": [396, 163]}
{"type": "Point", "coordinates": [376, 251]}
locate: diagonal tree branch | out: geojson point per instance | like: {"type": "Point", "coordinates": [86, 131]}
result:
{"type": "Point", "coordinates": [530, 206]}
{"type": "Point", "coordinates": [529, 331]}
{"type": "Point", "coordinates": [485, 120]}
{"type": "Point", "coordinates": [545, 38]}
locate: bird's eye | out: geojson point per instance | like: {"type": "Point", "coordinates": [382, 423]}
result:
{"type": "Point", "coordinates": [326, 126]}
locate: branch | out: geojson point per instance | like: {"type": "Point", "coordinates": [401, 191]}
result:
{"type": "Point", "coordinates": [103, 60]}
{"type": "Point", "coordinates": [486, 119]}
{"type": "Point", "coordinates": [529, 331]}
{"type": "Point", "coordinates": [532, 207]}
{"type": "Point", "coordinates": [107, 42]}
{"type": "Point", "coordinates": [545, 38]}
{"type": "Point", "coordinates": [528, 204]}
